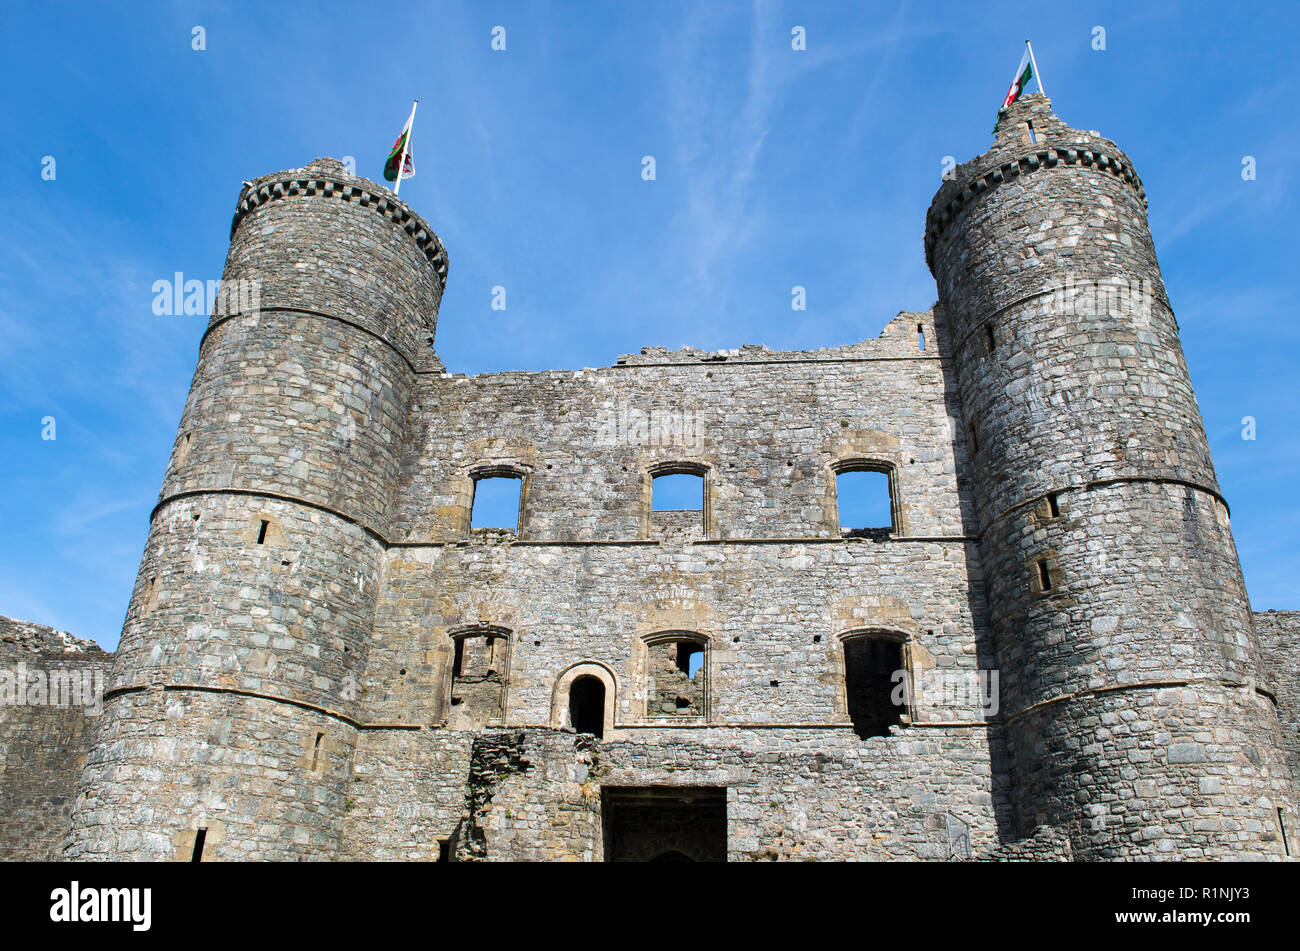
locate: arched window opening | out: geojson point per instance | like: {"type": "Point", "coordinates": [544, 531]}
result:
{"type": "Point", "coordinates": [678, 676]}
{"type": "Point", "coordinates": [875, 684]}
{"type": "Point", "coordinates": [496, 502]}
{"type": "Point", "coordinates": [587, 706]}
{"type": "Point", "coordinates": [864, 497]}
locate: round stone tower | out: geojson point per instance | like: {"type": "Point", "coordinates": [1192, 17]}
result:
{"type": "Point", "coordinates": [231, 712]}
{"type": "Point", "coordinates": [1128, 658]}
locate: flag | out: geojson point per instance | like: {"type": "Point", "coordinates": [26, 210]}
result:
{"type": "Point", "coordinates": [403, 144]}
{"type": "Point", "coordinates": [1023, 74]}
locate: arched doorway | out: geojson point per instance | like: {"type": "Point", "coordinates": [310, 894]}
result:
{"type": "Point", "coordinates": [587, 706]}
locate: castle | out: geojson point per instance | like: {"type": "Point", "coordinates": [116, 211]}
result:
{"type": "Point", "coordinates": [1047, 652]}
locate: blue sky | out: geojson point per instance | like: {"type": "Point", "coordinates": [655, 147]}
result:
{"type": "Point", "coordinates": [774, 168]}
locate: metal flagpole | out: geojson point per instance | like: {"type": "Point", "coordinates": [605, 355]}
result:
{"type": "Point", "coordinates": [410, 130]}
{"type": "Point", "coordinates": [1037, 74]}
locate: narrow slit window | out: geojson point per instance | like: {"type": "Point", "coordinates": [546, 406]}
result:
{"type": "Point", "coordinates": [496, 502]}
{"type": "Point", "coordinates": [261, 532]}
{"type": "Point", "coordinates": [1044, 576]}
{"type": "Point", "coordinates": [199, 838]}
{"type": "Point", "coordinates": [990, 337]}
{"type": "Point", "coordinates": [864, 501]}
{"type": "Point", "coordinates": [920, 337]}
{"type": "Point", "coordinates": [1033, 136]}
{"type": "Point", "coordinates": [974, 437]}
{"type": "Point", "coordinates": [1281, 828]}
{"type": "Point", "coordinates": [315, 751]}
{"type": "Point", "coordinates": [678, 492]}
{"type": "Point", "coordinates": [1054, 504]}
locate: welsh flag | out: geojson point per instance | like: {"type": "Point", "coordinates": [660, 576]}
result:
{"type": "Point", "coordinates": [403, 144]}
{"type": "Point", "coordinates": [1023, 75]}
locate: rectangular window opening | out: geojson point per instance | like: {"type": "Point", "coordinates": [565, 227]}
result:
{"type": "Point", "coordinates": [478, 678]}
{"type": "Point", "coordinates": [676, 686]}
{"type": "Point", "coordinates": [990, 337]}
{"type": "Point", "coordinates": [444, 850]}
{"type": "Point", "coordinates": [1044, 576]}
{"type": "Point", "coordinates": [261, 532]}
{"type": "Point", "coordinates": [872, 670]}
{"type": "Point", "coordinates": [678, 492]}
{"type": "Point", "coordinates": [974, 437]}
{"type": "Point", "coordinates": [496, 502]}
{"type": "Point", "coordinates": [864, 503]}
{"type": "Point", "coordinates": [1054, 504]}
{"type": "Point", "coordinates": [199, 838]}
{"type": "Point", "coordinates": [315, 752]}
{"type": "Point", "coordinates": [1033, 136]}
{"type": "Point", "coordinates": [920, 336]}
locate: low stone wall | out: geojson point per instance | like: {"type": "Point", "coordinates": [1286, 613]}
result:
{"type": "Point", "coordinates": [1279, 647]}
{"type": "Point", "coordinates": [49, 701]}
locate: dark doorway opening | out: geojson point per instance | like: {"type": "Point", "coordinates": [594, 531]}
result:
{"type": "Point", "coordinates": [587, 706]}
{"type": "Point", "coordinates": [875, 684]}
{"type": "Point", "coordinates": [664, 823]}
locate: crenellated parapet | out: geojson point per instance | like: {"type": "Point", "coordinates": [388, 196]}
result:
{"type": "Point", "coordinates": [1029, 138]}
{"type": "Point", "coordinates": [327, 178]}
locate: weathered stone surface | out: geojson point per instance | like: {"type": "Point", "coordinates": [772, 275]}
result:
{"type": "Point", "coordinates": [1112, 574]}
{"type": "Point", "coordinates": [45, 732]}
{"type": "Point", "coordinates": [288, 677]}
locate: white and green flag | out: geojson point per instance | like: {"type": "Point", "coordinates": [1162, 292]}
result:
{"type": "Point", "coordinates": [1026, 71]}
{"type": "Point", "coordinates": [1023, 74]}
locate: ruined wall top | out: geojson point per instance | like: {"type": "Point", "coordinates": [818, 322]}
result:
{"type": "Point", "coordinates": [25, 636]}
{"type": "Point", "coordinates": [897, 340]}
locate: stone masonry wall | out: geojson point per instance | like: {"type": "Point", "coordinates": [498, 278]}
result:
{"type": "Point", "coordinates": [1079, 661]}
{"type": "Point", "coordinates": [795, 795]}
{"type": "Point", "coordinates": [1117, 602]}
{"type": "Point", "coordinates": [244, 645]}
{"type": "Point", "coordinates": [48, 704]}
{"type": "Point", "coordinates": [765, 428]}
{"type": "Point", "coordinates": [1279, 639]}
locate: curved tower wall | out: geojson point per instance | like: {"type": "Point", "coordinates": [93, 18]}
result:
{"type": "Point", "coordinates": [1128, 657]}
{"type": "Point", "coordinates": [232, 703]}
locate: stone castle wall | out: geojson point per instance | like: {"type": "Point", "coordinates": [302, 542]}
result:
{"type": "Point", "coordinates": [1112, 575]}
{"type": "Point", "coordinates": [48, 705]}
{"type": "Point", "coordinates": [323, 660]}
{"type": "Point", "coordinates": [1279, 639]}
{"type": "Point", "coordinates": [257, 591]}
